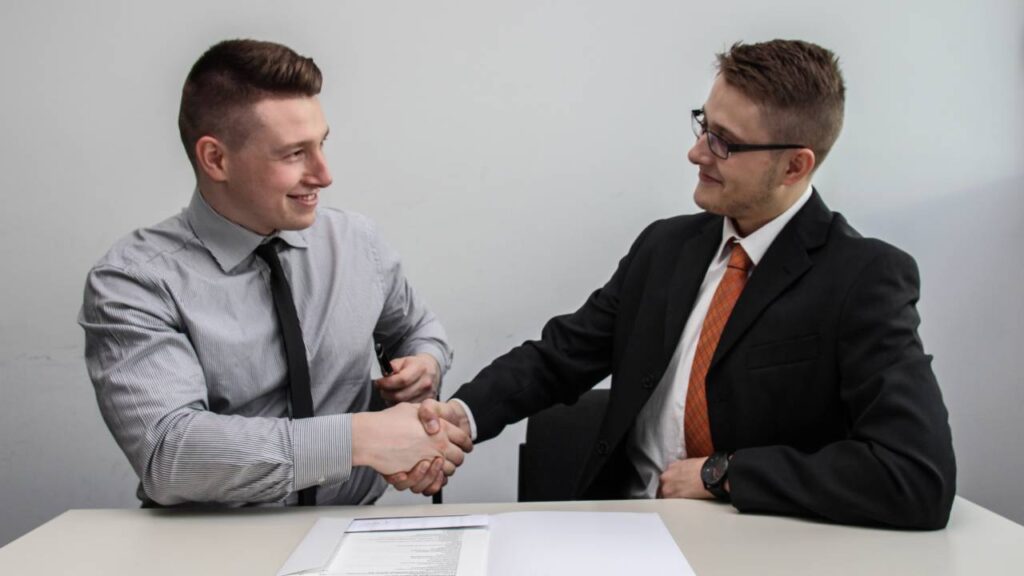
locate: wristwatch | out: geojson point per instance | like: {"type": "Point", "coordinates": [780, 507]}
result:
{"type": "Point", "coordinates": [714, 473]}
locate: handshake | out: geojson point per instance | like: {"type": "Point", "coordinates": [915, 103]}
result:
{"type": "Point", "coordinates": [415, 446]}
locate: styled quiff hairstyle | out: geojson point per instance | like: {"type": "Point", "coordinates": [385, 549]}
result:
{"type": "Point", "coordinates": [798, 87]}
{"type": "Point", "coordinates": [232, 76]}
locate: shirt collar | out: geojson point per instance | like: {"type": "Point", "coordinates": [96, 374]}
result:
{"type": "Point", "coordinates": [756, 244]}
{"type": "Point", "coordinates": [228, 242]}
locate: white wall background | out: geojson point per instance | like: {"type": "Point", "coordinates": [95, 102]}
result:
{"type": "Point", "coordinates": [511, 151]}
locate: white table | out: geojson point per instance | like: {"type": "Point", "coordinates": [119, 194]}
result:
{"type": "Point", "coordinates": [715, 538]}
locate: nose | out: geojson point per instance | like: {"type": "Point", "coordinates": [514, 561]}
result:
{"type": "Point", "coordinates": [318, 174]}
{"type": "Point", "coordinates": [699, 153]}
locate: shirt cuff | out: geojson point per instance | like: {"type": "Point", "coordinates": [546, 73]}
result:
{"type": "Point", "coordinates": [469, 415]}
{"type": "Point", "coordinates": [321, 450]}
{"type": "Point", "coordinates": [444, 361]}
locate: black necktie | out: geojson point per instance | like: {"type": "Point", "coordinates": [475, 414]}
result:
{"type": "Point", "coordinates": [294, 349]}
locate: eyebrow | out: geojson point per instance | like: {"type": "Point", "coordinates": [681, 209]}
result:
{"type": "Point", "coordinates": [724, 132]}
{"type": "Point", "coordinates": [301, 143]}
{"type": "Point", "coordinates": [720, 130]}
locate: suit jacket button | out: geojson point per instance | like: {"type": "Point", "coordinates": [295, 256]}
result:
{"type": "Point", "coordinates": [602, 447]}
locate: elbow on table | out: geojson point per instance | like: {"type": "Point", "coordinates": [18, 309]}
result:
{"type": "Point", "coordinates": [928, 501]}
{"type": "Point", "coordinates": [161, 492]}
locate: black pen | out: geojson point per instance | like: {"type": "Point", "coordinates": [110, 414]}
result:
{"type": "Point", "coordinates": [383, 360]}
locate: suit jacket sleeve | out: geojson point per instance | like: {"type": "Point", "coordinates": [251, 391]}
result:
{"type": "Point", "coordinates": [574, 353]}
{"type": "Point", "coordinates": [896, 465]}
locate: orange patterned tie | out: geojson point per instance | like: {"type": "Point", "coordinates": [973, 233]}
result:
{"type": "Point", "coordinates": [696, 430]}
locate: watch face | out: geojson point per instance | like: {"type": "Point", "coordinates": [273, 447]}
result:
{"type": "Point", "coordinates": [714, 469]}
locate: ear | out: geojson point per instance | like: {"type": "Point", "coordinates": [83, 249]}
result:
{"type": "Point", "coordinates": [211, 158]}
{"type": "Point", "coordinates": [800, 165]}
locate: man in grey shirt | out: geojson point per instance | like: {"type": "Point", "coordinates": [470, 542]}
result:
{"type": "Point", "coordinates": [182, 341]}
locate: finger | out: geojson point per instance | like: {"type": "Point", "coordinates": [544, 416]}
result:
{"type": "Point", "coordinates": [436, 486]}
{"type": "Point", "coordinates": [454, 454]}
{"type": "Point", "coordinates": [400, 481]}
{"type": "Point", "coordinates": [426, 391]}
{"type": "Point", "coordinates": [448, 468]}
{"type": "Point", "coordinates": [398, 363]}
{"type": "Point", "coordinates": [415, 476]}
{"type": "Point", "coordinates": [412, 366]}
{"type": "Point", "coordinates": [395, 382]}
{"type": "Point", "coordinates": [662, 483]}
{"type": "Point", "coordinates": [430, 478]}
{"type": "Point", "coordinates": [415, 392]}
{"type": "Point", "coordinates": [459, 437]}
{"type": "Point", "coordinates": [389, 398]}
{"type": "Point", "coordinates": [428, 414]}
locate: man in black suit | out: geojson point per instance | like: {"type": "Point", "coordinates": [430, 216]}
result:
{"type": "Point", "coordinates": [762, 351]}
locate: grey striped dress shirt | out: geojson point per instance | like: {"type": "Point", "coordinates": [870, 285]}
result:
{"type": "Point", "coordinates": [184, 351]}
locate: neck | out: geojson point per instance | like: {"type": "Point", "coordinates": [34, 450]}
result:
{"type": "Point", "coordinates": [216, 198]}
{"type": "Point", "coordinates": [785, 198]}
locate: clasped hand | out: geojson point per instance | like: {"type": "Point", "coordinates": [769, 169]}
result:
{"type": "Point", "coordinates": [435, 418]}
{"type": "Point", "coordinates": [395, 440]}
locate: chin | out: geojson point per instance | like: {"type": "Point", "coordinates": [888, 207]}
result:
{"type": "Point", "coordinates": [300, 223]}
{"type": "Point", "coordinates": [705, 200]}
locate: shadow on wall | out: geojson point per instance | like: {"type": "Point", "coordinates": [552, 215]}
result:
{"type": "Point", "coordinates": [972, 310]}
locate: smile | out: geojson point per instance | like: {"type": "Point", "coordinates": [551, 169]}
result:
{"type": "Point", "coordinates": [708, 179]}
{"type": "Point", "coordinates": [305, 199]}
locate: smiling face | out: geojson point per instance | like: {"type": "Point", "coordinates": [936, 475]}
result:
{"type": "Point", "coordinates": [272, 179]}
{"type": "Point", "coordinates": [752, 188]}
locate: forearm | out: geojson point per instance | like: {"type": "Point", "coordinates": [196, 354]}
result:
{"type": "Point", "coordinates": [567, 361]}
{"type": "Point", "coordinates": [850, 482]}
{"type": "Point", "coordinates": [206, 457]}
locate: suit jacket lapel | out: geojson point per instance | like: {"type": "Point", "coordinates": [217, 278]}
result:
{"type": "Point", "coordinates": [691, 265]}
{"type": "Point", "coordinates": [786, 260]}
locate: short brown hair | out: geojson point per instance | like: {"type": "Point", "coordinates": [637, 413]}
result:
{"type": "Point", "coordinates": [231, 76]}
{"type": "Point", "coordinates": [798, 86]}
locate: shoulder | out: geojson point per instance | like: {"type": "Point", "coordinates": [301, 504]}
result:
{"type": "Point", "coordinates": [137, 271]}
{"type": "Point", "coordinates": [146, 251]}
{"type": "Point", "coordinates": [676, 229]}
{"type": "Point", "coordinates": [858, 252]}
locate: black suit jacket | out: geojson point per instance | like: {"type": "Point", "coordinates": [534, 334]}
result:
{"type": "Point", "coordinates": [819, 385]}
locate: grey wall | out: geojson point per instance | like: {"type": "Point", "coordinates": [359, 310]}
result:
{"type": "Point", "coordinates": [510, 151]}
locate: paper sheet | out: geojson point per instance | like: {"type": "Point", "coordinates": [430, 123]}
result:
{"type": "Point", "coordinates": [591, 543]}
{"type": "Point", "coordinates": [509, 544]}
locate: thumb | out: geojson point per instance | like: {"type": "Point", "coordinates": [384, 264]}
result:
{"type": "Point", "coordinates": [398, 363]}
{"type": "Point", "coordinates": [428, 414]}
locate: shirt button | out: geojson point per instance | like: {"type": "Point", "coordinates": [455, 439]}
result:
{"type": "Point", "coordinates": [321, 480]}
{"type": "Point", "coordinates": [602, 447]}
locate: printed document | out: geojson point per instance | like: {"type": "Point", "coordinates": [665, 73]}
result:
{"type": "Point", "coordinates": [512, 543]}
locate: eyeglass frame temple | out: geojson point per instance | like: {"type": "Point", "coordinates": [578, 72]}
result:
{"type": "Point", "coordinates": [729, 146]}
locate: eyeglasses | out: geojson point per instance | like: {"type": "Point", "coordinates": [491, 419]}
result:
{"type": "Point", "coordinates": [721, 147]}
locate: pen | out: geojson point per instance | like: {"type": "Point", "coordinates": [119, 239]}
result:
{"type": "Point", "coordinates": [383, 359]}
